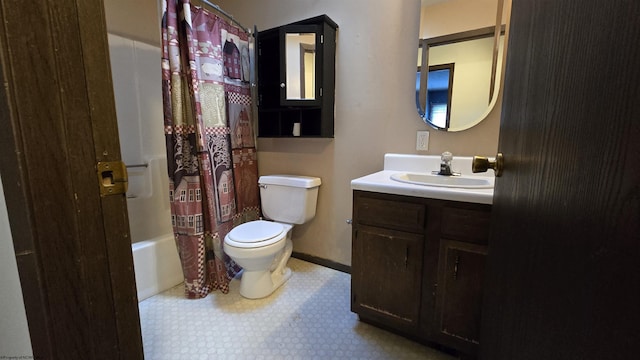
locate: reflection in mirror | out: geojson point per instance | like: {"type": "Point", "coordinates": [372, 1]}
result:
{"type": "Point", "coordinates": [439, 90]}
{"type": "Point", "coordinates": [477, 54]}
{"type": "Point", "coordinates": [300, 66]}
{"type": "Point", "coordinates": [308, 68]}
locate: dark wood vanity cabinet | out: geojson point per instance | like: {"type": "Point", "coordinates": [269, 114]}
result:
{"type": "Point", "coordinates": [296, 79]}
{"type": "Point", "coordinates": [418, 265]}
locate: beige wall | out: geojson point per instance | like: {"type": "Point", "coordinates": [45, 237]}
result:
{"type": "Point", "coordinates": [375, 108]}
{"type": "Point", "coordinates": [437, 19]}
{"type": "Point", "coordinates": [134, 19]}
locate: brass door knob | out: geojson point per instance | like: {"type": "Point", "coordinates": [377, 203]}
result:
{"type": "Point", "coordinates": [482, 164]}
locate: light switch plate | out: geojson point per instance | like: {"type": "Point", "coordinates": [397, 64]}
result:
{"type": "Point", "coordinates": [422, 141]}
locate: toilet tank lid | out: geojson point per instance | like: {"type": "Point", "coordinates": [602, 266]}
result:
{"type": "Point", "coordinates": [290, 180]}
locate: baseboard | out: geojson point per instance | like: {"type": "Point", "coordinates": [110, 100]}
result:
{"type": "Point", "coordinates": [323, 262]}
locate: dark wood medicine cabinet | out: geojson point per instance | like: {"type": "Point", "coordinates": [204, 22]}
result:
{"type": "Point", "coordinates": [296, 79]}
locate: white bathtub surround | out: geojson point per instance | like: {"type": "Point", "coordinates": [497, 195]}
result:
{"type": "Point", "coordinates": [308, 319]}
{"type": "Point", "coordinates": [148, 201]}
{"type": "Point", "coordinates": [155, 258]}
{"type": "Point", "coordinates": [135, 68]}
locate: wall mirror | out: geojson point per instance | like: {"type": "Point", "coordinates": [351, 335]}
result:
{"type": "Point", "coordinates": [300, 66]}
{"type": "Point", "coordinates": [298, 80]}
{"type": "Point", "coordinates": [468, 37]}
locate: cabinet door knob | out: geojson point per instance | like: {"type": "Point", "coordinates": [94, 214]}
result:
{"type": "Point", "coordinates": [349, 221]}
{"type": "Point", "coordinates": [282, 85]}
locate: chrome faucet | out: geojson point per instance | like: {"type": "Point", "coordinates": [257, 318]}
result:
{"type": "Point", "coordinates": [445, 164]}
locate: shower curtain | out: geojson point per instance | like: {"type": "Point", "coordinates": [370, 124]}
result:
{"type": "Point", "coordinates": [211, 153]}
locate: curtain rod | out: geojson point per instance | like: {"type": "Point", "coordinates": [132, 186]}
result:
{"type": "Point", "coordinates": [227, 15]}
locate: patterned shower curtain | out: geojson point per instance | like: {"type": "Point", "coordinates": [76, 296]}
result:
{"type": "Point", "coordinates": [211, 153]}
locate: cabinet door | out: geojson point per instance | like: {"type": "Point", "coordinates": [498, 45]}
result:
{"type": "Point", "coordinates": [459, 295]}
{"type": "Point", "coordinates": [268, 69]}
{"type": "Point", "coordinates": [386, 276]}
{"type": "Point", "coordinates": [300, 65]}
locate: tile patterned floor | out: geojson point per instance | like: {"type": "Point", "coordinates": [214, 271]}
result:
{"type": "Point", "coordinates": [307, 318]}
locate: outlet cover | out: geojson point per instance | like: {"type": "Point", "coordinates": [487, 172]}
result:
{"type": "Point", "coordinates": [422, 141]}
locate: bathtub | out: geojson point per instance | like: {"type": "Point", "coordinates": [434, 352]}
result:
{"type": "Point", "coordinates": [156, 265]}
{"type": "Point", "coordinates": [155, 257]}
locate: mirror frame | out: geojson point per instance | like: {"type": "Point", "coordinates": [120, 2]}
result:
{"type": "Point", "coordinates": [503, 8]}
{"type": "Point", "coordinates": [284, 30]}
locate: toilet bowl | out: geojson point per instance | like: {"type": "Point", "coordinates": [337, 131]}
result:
{"type": "Point", "coordinates": [262, 248]}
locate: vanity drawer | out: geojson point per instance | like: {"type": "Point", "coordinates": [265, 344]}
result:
{"type": "Point", "coordinates": [390, 213]}
{"type": "Point", "coordinates": [466, 224]}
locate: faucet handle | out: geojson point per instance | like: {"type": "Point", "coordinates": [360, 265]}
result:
{"type": "Point", "coordinates": [446, 157]}
{"type": "Point", "coordinates": [445, 164]}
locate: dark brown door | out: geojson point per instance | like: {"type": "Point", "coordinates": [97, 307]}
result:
{"type": "Point", "coordinates": [563, 271]}
{"type": "Point", "coordinates": [57, 116]}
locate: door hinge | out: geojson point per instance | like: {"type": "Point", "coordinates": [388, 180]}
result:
{"type": "Point", "coordinates": [113, 178]}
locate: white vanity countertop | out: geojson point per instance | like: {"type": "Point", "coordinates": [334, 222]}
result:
{"type": "Point", "coordinates": [394, 163]}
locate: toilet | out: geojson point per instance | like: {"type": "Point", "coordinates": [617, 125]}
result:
{"type": "Point", "coordinates": [262, 247]}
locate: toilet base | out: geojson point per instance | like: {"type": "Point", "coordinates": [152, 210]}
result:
{"type": "Point", "coordinates": [262, 283]}
{"type": "Point", "coordinates": [259, 284]}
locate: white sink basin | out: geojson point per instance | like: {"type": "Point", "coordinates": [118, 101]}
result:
{"type": "Point", "coordinates": [467, 182]}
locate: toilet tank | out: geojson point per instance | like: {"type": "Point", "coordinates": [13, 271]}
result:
{"type": "Point", "coordinates": [290, 199]}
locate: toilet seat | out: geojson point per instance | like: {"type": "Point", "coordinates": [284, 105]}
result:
{"type": "Point", "coordinates": [255, 234]}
